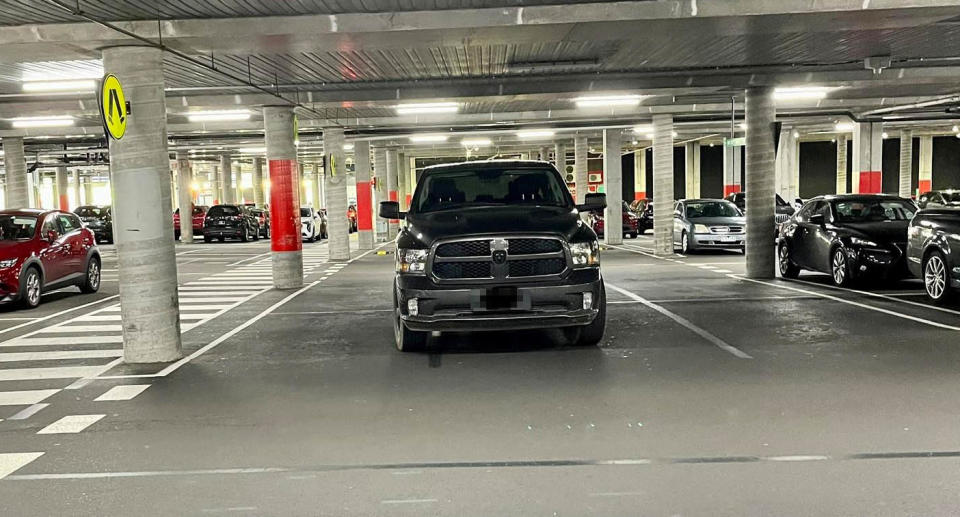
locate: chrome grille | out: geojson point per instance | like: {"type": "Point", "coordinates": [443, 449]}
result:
{"type": "Point", "coordinates": [726, 229]}
{"type": "Point", "coordinates": [781, 218]}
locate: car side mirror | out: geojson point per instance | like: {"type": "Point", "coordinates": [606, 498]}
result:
{"type": "Point", "coordinates": [391, 210]}
{"type": "Point", "coordinates": [677, 215]}
{"type": "Point", "coordinates": [817, 219]}
{"type": "Point", "coordinates": [593, 203]}
{"type": "Point", "coordinates": [52, 236]}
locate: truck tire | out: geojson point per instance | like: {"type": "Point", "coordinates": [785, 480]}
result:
{"type": "Point", "coordinates": [407, 340]}
{"type": "Point", "coordinates": [590, 335]}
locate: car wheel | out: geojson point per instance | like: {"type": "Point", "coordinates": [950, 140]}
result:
{"type": "Point", "coordinates": [31, 288]}
{"type": "Point", "coordinates": [936, 279]}
{"type": "Point", "coordinates": [590, 335]}
{"type": "Point", "coordinates": [245, 235]}
{"type": "Point", "coordinates": [684, 244]}
{"type": "Point", "coordinates": [787, 268]}
{"type": "Point", "coordinates": [256, 234]}
{"type": "Point", "coordinates": [221, 238]}
{"type": "Point", "coordinates": [407, 340]}
{"type": "Point", "coordinates": [840, 268]}
{"type": "Point", "coordinates": [207, 238]}
{"type": "Point", "coordinates": [176, 235]}
{"type": "Point", "coordinates": [91, 280]}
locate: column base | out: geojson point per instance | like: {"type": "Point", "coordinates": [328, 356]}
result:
{"type": "Point", "coordinates": [287, 269]}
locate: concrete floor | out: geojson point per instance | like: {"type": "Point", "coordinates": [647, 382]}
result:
{"type": "Point", "coordinates": [710, 395]}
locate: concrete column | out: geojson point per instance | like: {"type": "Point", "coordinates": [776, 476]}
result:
{"type": "Point", "coordinates": [692, 170]}
{"type": "Point", "coordinates": [926, 164]}
{"type": "Point", "coordinates": [63, 198]}
{"type": "Point", "coordinates": [867, 158]}
{"type": "Point", "coordinates": [88, 191]}
{"type": "Point", "coordinates": [226, 172]}
{"type": "Point", "coordinates": [185, 197]}
{"type": "Point", "coordinates": [639, 174]}
{"type": "Point", "coordinates": [613, 186]}
{"type": "Point", "coordinates": [217, 186]}
{"type": "Point", "coordinates": [402, 176]}
{"type": "Point", "coordinates": [841, 164]}
{"type": "Point", "coordinates": [580, 166]}
{"type": "Point", "coordinates": [560, 158]}
{"type": "Point", "coordinates": [140, 181]}
{"type": "Point", "coordinates": [380, 190]}
{"type": "Point", "coordinates": [258, 181]}
{"type": "Point", "coordinates": [761, 170]}
{"type": "Point", "coordinates": [787, 165]}
{"type": "Point", "coordinates": [906, 161]}
{"type": "Point", "coordinates": [544, 154]}
{"type": "Point", "coordinates": [76, 187]}
{"type": "Point", "coordinates": [732, 169]}
{"type": "Point", "coordinates": [15, 164]}
{"type": "Point", "coordinates": [393, 180]}
{"type": "Point", "coordinates": [285, 244]}
{"type": "Point", "coordinates": [301, 169]}
{"type": "Point", "coordinates": [663, 184]}
{"type": "Point", "coordinates": [361, 160]}
{"type": "Point", "coordinates": [336, 188]}
{"type": "Point", "coordinates": [316, 178]}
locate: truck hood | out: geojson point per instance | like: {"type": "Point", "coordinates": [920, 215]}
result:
{"type": "Point", "coordinates": [432, 226]}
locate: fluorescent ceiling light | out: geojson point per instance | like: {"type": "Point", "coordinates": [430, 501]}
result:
{"type": "Point", "coordinates": [743, 126]}
{"type": "Point", "coordinates": [427, 107]}
{"type": "Point", "coordinates": [253, 150]}
{"type": "Point", "coordinates": [801, 93]}
{"type": "Point", "coordinates": [844, 127]}
{"type": "Point", "coordinates": [218, 116]}
{"type": "Point", "coordinates": [42, 122]}
{"type": "Point", "coordinates": [476, 142]}
{"type": "Point", "coordinates": [643, 128]}
{"type": "Point", "coordinates": [423, 139]}
{"type": "Point", "coordinates": [82, 85]}
{"type": "Point", "coordinates": [62, 70]}
{"type": "Point", "coordinates": [955, 129]}
{"type": "Point", "coordinates": [604, 101]}
{"type": "Point", "coordinates": [537, 133]}
{"type": "Point", "coordinates": [346, 147]}
{"type": "Point", "coordinates": [885, 135]}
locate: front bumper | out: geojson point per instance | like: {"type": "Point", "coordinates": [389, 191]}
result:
{"type": "Point", "coordinates": [464, 308]}
{"type": "Point", "coordinates": [718, 241]}
{"type": "Point", "coordinates": [223, 231]}
{"type": "Point", "coordinates": [869, 262]}
{"type": "Point", "coordinates": [9, 285]}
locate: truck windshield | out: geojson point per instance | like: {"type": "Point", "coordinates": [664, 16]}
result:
{"type": "Point", "coordinates": [490, 187]}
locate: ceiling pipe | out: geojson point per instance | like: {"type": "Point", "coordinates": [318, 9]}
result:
{"type": "Point", "coordinates": [953, 99]}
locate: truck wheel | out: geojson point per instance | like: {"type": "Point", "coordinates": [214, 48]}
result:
{"type": "Point", "coordinates": [407, 340]}
{"type": "Point", "coordinates": [590, 335]}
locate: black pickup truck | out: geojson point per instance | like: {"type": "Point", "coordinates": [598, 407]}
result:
{"type": "Point", "coordinates": [496, 245]}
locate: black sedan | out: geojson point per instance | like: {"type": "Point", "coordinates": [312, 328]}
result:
{"type": "Point", "coordinates": [851, 237]}
{"type": "Point", "coordinates": [98, 219]}
{"type": "Point", "coordinates": [230, 221]}
{"type": "Point", "coordinates": [933, 251]}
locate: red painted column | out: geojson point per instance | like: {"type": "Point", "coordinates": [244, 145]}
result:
{"type": "Point", "coordinates": [362, 172]}
{"type": "Point", "coordinates": [285, 241]}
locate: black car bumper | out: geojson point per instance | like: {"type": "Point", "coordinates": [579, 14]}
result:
{"type": "Point", "coordinates": [877, 263]}
{"type": "Point", "coordinates": [223, 231]}
{"type": "Point", "coordinates": [488, 307]}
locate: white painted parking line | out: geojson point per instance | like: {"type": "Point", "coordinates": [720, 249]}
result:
{"type": "Point", "coordinates": [11, 462]}
{"type": "Point", "coordinates": [883, 296]}
{"type": "Point", "coordinates": [719, 343]}
{"type": "Point", "coordinates": [71, 424]}
{"type": "Point", "coordinates": [220, 288]}
{"type": "Point", "coordinates": [408, 501]}
{"type": "Point", "coordinates": [58, 354]}
{"type": "Point", "coordinates": [61, 372]}
{"type": "Point", "coordinates": [204, 299]}
{"type": "Point", "coordinates": [29, 412]}
{"type": "Point", "coordinates": [56, 314]}
{"type": "Point", "coordinates": [60, 329]}
{"type": "Point", "coordinates": [125, 392]}
{"type": "Point", "coordinates": [24, 398]}
{"type": "Point", "coordinates": [61, 341]}
{"type": "Point", "coordinates": [722, 271]}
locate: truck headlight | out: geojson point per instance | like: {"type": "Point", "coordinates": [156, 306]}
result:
{"type": "Point", "coordinates": [700, 228]}
{"type": "Point", "coordinates": [585, 254]}
{"type": "Point", "coordinates": [7, 263]}
{"type": "Point", "coordinates": [412, 261]}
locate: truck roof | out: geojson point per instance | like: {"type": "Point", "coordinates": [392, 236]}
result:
{"type": "Point", "coordinates": [480, 165]}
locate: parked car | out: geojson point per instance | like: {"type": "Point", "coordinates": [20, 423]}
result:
{"type": "Point", "coordinates": [263, 220]}
{"type": "Point", "coordinates": [631, 223]}
{"type": "Point", "coordinates": [230, 221]}
{"type": "Point", "coordinates": [199, 214]}
{"type": "Point", "coordinates": [99, 220]}
{"type": "Point", "coordinates": [41, 250]}
{"type": "Point", "coordinates": [933, 251]}
{"type": "Point", "coordinates": [708, 224]}
{"type": "Point", "coordinates": [352, 218]}
{"type": "Point", "coordinates": [850, 237]}
{"type": "Point", "coordinates": [783, 210]}
{"type": "Point", "coordinates": [939, 198]}
{"type": "Point", "coordinates": [643, 209]}
{"type": "Point", "coordinates": [313, 226]}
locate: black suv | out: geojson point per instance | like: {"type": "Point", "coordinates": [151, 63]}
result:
{"type": "Point", "coordinates": [496, 245]}
{"type": "Point", "coordinates": [98, 219]}
{"type": "Point", "coordinates": [233, 221]}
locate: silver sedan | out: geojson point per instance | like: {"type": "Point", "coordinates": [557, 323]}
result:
{"type": "Point", "coordinates": [708, 224]}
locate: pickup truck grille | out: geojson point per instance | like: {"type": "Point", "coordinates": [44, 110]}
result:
{"type": "Point", "coordinates": [473, 259]}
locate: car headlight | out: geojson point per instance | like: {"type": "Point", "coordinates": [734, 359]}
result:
{"type": "Point", "coordinates": [585, 254]}
{"type": "Point", "coordinates": [412, 261]}
{"type": "Point", "coordinates": [700, 228]}
{"type": "Point", "coordinates": [857, 241]}
{"type": "Point", "coordinates": [8, 263]}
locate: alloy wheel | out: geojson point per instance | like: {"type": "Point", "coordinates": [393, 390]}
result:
{"type": "Point", "coordinates": [935, 277]}
{"type": "Point", "coordinates": [33, 288]}
{"type": "Point", "coordinates": [839, 267]}
{"type": "Point", "coordinates": [93, 275]}
{"type": "Point", "coordinates": [784, 260]}
{"type": "Point", "coordinates": [684, 243]}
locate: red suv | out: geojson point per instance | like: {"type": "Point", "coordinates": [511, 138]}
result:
{"type": "Point", "coordinates": [42, 250]}
{"type": "Point", "coordinates": [199, 214]}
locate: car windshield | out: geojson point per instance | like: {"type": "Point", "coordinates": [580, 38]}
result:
{"type": "Point", "coordinates": [951, 197]}
{"type": "Point", "coordinates": [17, 227]}
{"type": "Point", "coordinates": [462, 188]}
{"type": "Point", "coordinates": [871, 210]}
{"type": "Point", "coordinates": [90, 211]}
{"type": "Point", "coordinates": [305, 212]}
{"type": "Point", "coordinates": [699, 209]}
{"type": "Point", "coordinates": [223, 210]}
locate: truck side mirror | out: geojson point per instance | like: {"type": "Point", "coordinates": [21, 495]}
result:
{"type": "Point", "coordinates": [390, 210]}
{"type": "Point", "coordinates": [593, 203]}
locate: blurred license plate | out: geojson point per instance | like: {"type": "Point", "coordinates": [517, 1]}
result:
{"type": "Point", "coordinates": [221, 223]}
{"type": "Point", "coordinates": [728, 238]}
{"type": "Point", "coordinates": [494, 299]}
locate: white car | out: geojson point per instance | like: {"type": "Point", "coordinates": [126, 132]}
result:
{"type": "Point", "coordinates": [312, 225]}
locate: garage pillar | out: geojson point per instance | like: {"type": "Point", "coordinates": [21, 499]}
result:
{"type": "Point", "coordinates": [393, 180]}
{"type": "Point", "coordinates": [361, 160]}
{"type": "Point", "coordinates": [63, 198]}
{"type": "Point", "coordinates": [613, 186]}
{"type": "Point", "coordinates": [580, 167]}
{"type": "Point", "coordinates": [560, 158]}
{"type": "Point", "coordinates": [75, 177]}
{"type": "Point", "coordinates": [301, 171]}
{"type": "Point", "coordinates": [185, 197]}
{"type": "Point", "coordinates": [692, 170]}
{"type": "Point", "coordinates": [841, 164]}
{"type": "Point", "coordinates": [380, 192]}
{"type": "Point", "coordinates": [15, 163]}
{"type": "Point", "coordinates": [732, 169]}
{"type": "Point", "coordinates": [402, 177]}
{"type": "Point", "coordinates": [545, 154]}
{"type": "Point", "coordinates": [316, 179]}
{"type": "Point", "coordinates": [926, 164]}
{"type": "Point", "coordinates": [226, 172]}
{"type": "Point", "coordinates": [88, 191]}
{"type": "Point", "coordinates": [285, 244]}
{"type": "Point", "coordinates": [761, 179]}
{"type": "Point", "coordinates": [867, 158]}
{"type": "Point", "coordinates": [663, 184]}
{"type": "Point", "coordinates": [787, 165]}
{"type": "Point", "coordinates": [906, 162]}
{"type": "Point", "coordinates": [639, 174]}
{"type": "Point", "coordinates": [140, 184]}
{"type": "Point", "coordinates": [335, 184]}
{"type": "Point", "coordinates": [258, 181]}
{"type": "Point", "coordinates": [217, 185]}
